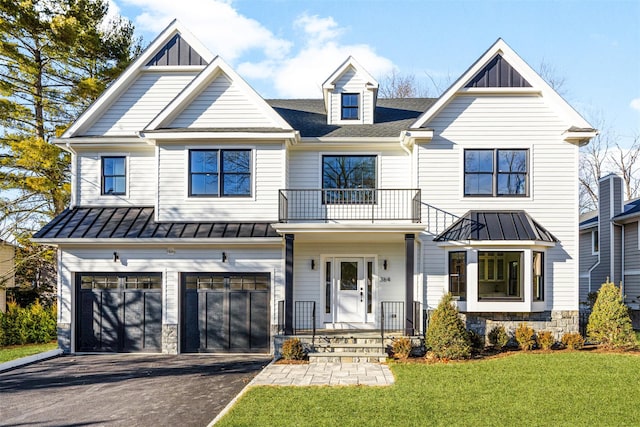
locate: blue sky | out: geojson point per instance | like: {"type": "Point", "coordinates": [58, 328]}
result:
{"type": "Point", "coordinates": [285, 48]}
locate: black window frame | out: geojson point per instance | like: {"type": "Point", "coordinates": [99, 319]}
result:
{"type": "Point", "coordinates": [104, 176]}
{"type": "Point", "coordinates": [461, 283]}
{"type": "Point", "coordinates": [496, 173]}
{"type": "Point", "coordinates": [357, 196]}
{"type": "Point", "coordinates": [221, 173]}
{"type": "Point", "coordinates": [346, 105]}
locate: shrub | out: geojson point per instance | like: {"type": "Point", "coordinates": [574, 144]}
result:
{"type": "Point", "coordinates": [401, 348]}
{"type": "Point", "coordinates": [498, 337]}
{"type": "Point", "coordinates": [41, 327]}
{"type": "Point", "coordinates": [609, 322]}
{"type": "Point", "coordinates": [572, 340]}
{"type": "Point", "coordinates": [15, 324]}
{"type": "Point", "coordinates": [292, 349]}
{"type": "Point", "coordinates": [545, 340]}
{"type": "Point", "coordinates": [525, 336]}
{"type": "Point", "coordinates": [477, 341]}
{"type": "Point", "coordinates": [446, 335]}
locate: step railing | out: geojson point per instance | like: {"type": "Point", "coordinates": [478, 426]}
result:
{"type": "Point", "coordinates": [391, 318]}
{"type": "Point", "coordinates": [304, 319]}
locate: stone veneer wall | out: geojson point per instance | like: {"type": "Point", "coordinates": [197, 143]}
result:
{"type": "Point", "coordinates": [558, 322]}
{"type": "Point", "coordinates": [169, 339]}
{"type": "Point", "coordinates": [64, 337]}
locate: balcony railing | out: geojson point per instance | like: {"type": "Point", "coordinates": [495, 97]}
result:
{"type": "Point", "coordinates": [359, 204]}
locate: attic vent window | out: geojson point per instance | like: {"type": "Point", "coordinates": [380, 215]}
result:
{"type": "Point", "coordinates": [350, 105]}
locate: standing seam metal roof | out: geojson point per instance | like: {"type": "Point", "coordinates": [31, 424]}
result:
{"type": "Point", "coordinates": [138, 222]}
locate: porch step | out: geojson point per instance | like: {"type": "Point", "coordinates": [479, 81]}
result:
{"type": "Point", "coordinates": [346, 357]}
{"type": "Point", "coordinates": [361, 348]}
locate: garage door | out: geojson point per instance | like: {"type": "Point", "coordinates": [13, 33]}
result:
{"type": "Point", "coordinates": [225, 312]}
{"type": "Point", "coordinates": [119, 313]}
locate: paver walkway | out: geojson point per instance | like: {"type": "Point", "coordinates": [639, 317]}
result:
{"type": "Point", "coordinates": [373, 374]}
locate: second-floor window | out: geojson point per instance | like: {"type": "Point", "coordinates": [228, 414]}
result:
{"type": "Point", "coordinates": [350, 106]}
{"type": "Point", "coordinates": [114, 175]}
{"type": "Point", "coordinates": [220, 173]}
{"type": "Point", "coordinates": [351, 176]}
{"type": "Point", "coordinates": [496, 172]}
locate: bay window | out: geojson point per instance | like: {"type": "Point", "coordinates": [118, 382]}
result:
{"type": "Point", "coordinates": [500, 275]}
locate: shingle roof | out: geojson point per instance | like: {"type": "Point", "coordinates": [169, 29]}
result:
{"type": "Point", "coordinates": [496, 225]}
{"type": "Point", "coordinates": [391, 117]}
{"type": "Point", "coordinates": [138, 222]}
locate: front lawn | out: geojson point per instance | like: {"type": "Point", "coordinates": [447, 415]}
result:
{"type": "Point", "coordinates": [559, 388]}
{"type": "Point", "coordinates": [17, 351]}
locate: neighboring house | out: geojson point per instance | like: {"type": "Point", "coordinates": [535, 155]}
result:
{"type": "Point", "coordinates": [610, 244]}
{"type": "Point", "coordinates": [206, 218]}
{"type": "Point", "coordinates": [7, 271]}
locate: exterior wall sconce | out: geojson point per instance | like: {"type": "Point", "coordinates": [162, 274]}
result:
{"type": "Point", "coordinates": [224, 257]}
{"type": "Point", "coordinates": [384, 264]}
{"type": "Point", "coordinates": [116, 257]}
{"type": "Point", "coordinates": [313, 264]}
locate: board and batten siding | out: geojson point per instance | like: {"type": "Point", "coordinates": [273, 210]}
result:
{"type": "Point", "coordinates": [352, 82]}
{"type": "Point", "coordinates": [141, 179]}
{"type": "Point", "coordinates": [510, 122]}
{"type": "Point", "coordinates": [140, 103]}
{"type": "Point", "coordinates": [221, 104]}
{"type": "Point", "coordinates": [174, 203]}
{"type": "Point", "coordinates": [183, 260]}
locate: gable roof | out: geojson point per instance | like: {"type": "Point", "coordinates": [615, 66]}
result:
{"type": "Point", "coordinates": [392, 116]}
{"type": "Point", "coordinates": [134, 69]}
{"type": "Point", "coordinates": [496, 225]}
{"type": "Point", "coordinates": [517, 64]}
{"type": "Point", "coordinates": [349, 63]}
{"type": "Point", "coordinates": [217, 69]}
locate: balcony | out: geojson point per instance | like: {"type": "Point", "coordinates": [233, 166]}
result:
{"type": "Point", "coordinates": [358, 204]}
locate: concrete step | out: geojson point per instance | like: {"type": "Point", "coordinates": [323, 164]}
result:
{"type": "Point", "coordinates": [342, 348]}
{"type": "Point", "coordinates": [346, 357]}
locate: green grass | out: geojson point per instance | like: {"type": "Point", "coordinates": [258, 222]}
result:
{"type": "Point", "coordinates": [560, 388]}
{"type": "Point", "coordinates": [18, 351]}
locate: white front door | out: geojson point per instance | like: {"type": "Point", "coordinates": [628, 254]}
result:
{"type": "Point", "coordinates": [351, 293]}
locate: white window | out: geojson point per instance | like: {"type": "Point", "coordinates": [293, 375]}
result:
{"type": "Point", "coordinates": [595, 242]}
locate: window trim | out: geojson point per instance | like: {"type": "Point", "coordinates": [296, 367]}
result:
{"type": "Point", "coordinates": [220, 167]}
{"type": "Point", "coordinates": [375, 171]}
{"type": "Point", "coordinates": [495, 173]}
{"type": "Point", "coordinates": [595, 242]}
{"type": "Point", "coordinates": [521, 282]}
{"type": "Point", "coordinates": [102, 176]}
{"type": "Point", "coordinates": [344, 108]}
{"type": "Point", "coordinates": [465, 262]}
{"type": "Point", "coordinates": [542, 276]}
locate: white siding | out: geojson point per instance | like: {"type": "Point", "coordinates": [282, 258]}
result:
{"type": "Point", "coordinates": [175, 205]}
{"type": "Point", "coordinates": [141, 179]}
{"type": "Point", "coordinates": [308, 285]}
{"type": "Point", "coordinates": [140, 103]}
{"type": "Point", "coordinates": [394, 166]}
{"type": "Point", "coordinates": [221, 104]}
{"type": "Point", "coordinates": [506, 122]}
{"type": "Point", "coordinates": [184, 260]}
{"type": "Point", "coordinates": [352, 82]}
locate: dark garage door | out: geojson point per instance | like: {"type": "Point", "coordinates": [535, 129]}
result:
{"type": "Point", "coordinates": [225, 312]}
{"type": "Point", "coordinates": [119, 313]}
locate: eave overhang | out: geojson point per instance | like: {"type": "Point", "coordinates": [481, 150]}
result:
{"type": "Point", "coordinates": [408, 138]}
{"type": "Point", "coordinates": [580, 136]}
{"type": "Point", "coordinates": [228, 241]}
{"type": "Point", "coordinates": [346, 228]}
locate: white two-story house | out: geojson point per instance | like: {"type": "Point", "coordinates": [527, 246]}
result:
{"type": "Point", "coordinates": [206, 218]}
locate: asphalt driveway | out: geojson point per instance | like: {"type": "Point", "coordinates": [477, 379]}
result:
{"type": "Point", "coordinates": [124, 389]}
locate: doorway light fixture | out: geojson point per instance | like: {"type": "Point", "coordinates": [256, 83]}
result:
{"type": "Point", "coordinates": [224, 257]}
{"type": "Point", "coordinates": [384, 264]}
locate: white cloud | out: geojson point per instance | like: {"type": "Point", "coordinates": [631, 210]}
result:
{"type": "Point", "coordinates": [214, 22]}
{"type": "Point", "coordinates": [293, 70]}
{"type": "Point", "coordinates": [635, 104]}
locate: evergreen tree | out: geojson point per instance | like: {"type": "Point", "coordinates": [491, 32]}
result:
{"type": "Point", "coordinates": [609, 322]}
{"type": "Point", "coordinates": [446, 336]}
{"type": "Point", "coordinates": [56, 57]}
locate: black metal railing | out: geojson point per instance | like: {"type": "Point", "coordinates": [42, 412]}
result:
{"type": "Point", "coordinates": [358, 204]}
{"type": "Point", "coordinates": [391, 318]}
{"type": "Point", "coordinates": [304, 319]}
{"type": "Point", "coordinates": [437, 220]}
{"type": "Point", "coordinates": [418, 319]}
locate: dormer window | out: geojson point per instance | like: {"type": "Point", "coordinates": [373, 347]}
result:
{"type": "Point", "coordinates": [350, 106]}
